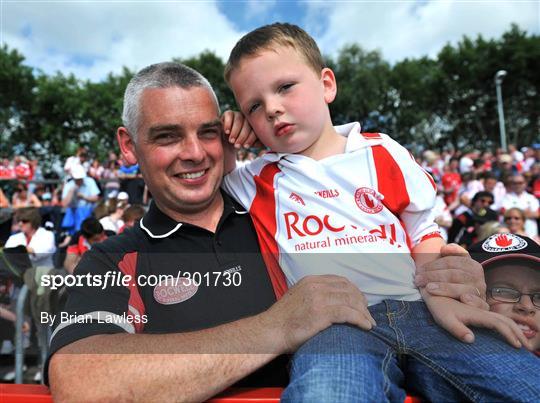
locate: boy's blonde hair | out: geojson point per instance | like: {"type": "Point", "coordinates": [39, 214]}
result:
{"type": "Point", "coordinates": [270, 36]}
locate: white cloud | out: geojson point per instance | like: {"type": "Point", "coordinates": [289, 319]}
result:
{"type": "Point", "coordinates": [413, 29]}
{"type": "Point", "coordinates": [257, 8]}
{"type": "Point", "coordinates": [109, 34]}
{"type": "Point", "coordinates": [113, 34]}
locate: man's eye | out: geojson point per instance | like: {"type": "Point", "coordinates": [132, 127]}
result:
{"type": "Point", "coordinates": [163, 137]}
{"type": "Point", "coordinates": [210, 134]}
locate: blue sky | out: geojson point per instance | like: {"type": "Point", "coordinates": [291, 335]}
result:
{"type": "Point", "coordinates": [93, 38]}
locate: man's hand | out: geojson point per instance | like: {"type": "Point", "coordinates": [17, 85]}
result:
{"type": "Point", "coordinates": [454, 275]}
{"type": "Point", "coordinates": [237, 130]}
{"type": "Point", "coordinates": [454, 316]}
{"type": "Point", "coordinates": [312, 305]}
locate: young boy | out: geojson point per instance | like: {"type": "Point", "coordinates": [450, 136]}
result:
{"type": "Point", "coordinates": [512, 267]}
{"type": "Point", "coordinates": [326, 194]}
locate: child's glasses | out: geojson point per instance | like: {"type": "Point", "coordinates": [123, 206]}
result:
{"type": "Point", "coordinates": [503, 294]}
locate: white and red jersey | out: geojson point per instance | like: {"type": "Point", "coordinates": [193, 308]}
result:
{"type": "Point", "coordinates": [314, 217]}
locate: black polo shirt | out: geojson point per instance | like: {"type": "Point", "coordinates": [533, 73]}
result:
{"type": "Point", "coordinates": [214, 278]}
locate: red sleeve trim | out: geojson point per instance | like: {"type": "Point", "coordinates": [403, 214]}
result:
{"type": "Point", "coordinates": [435, 234]}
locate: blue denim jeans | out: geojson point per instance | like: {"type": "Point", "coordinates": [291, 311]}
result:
{"type": "Point", "coordinates": [407, 350]}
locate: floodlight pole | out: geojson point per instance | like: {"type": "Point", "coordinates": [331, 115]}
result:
{"type": "Point", "coordinates": [499, 77]}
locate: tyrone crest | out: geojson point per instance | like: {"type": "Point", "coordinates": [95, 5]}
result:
{"type": "Point", "coordinates": [503, 243]}
{"type": "Point", "coordinates": [368, 200]}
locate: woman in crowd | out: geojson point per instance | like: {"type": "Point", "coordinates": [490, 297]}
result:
{"type": "Point", "coordinates": [113, 221]}
{"type": "Point", "coordinates": [112, 179]}
{"type": "Point", "coordinates": [23, 198]}
{"type": "Point", "coordinates": [38, 241]}
{"type": "Point", "coordinates": [514, 219]}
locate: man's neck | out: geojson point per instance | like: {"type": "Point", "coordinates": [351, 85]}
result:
{"type": "Point", "coordinates": [206, 217]}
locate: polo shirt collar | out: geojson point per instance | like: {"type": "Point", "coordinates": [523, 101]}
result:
{"type": "Point", "coordinates": [159, 225]}
{"type": "Point", "coordinates": [355, 139]}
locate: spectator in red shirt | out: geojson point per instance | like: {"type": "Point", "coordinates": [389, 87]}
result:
{"type": "Point", "coordinates": [91, 232]}
{"type": "Point", "coordinates": [451, 182]}
{"type": "Point", "coordinates": [23, 171]}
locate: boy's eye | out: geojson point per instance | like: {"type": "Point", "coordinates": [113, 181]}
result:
{"type": "Point", "coordinates": [253, 108]}
{"type": "Point", "coordinates": [285, 87]}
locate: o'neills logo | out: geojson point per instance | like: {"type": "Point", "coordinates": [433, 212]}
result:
{"type": "Point", "coordinates": [368, 200]}
{"type": "Point", "coordinates": [173, 291]}
{"type": "Point", "coordinates": [503, 243]}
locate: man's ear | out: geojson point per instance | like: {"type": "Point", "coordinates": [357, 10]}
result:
{"type": "Point", "coordinates": [127, 146]}
{"type": "Point", "coordinates": [330, 85]}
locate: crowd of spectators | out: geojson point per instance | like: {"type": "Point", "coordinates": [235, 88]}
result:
{"type": "Point", "coordinates": [480, 193]}
{"type": "Point", "coordinates": [55, 220]}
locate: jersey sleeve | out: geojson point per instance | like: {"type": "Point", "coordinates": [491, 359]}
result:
{"type": "Point", "coordinates": [240, 183]}
{"type": "Point", "coordinates": [408, 190]}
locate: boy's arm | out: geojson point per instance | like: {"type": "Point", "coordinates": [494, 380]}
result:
{"type": "Point", "coordinates": [427, 250]}
{"type": "Point", "coordinates": [236, 131]}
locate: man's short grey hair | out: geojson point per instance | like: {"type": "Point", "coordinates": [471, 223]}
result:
{"type": "Point", "coordinates": [160, 75]}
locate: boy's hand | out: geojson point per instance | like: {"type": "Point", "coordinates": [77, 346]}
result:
{"type": "Point", "coordinates": [454, 275]}
{"type": "Point", "coordinates": [237, 130]}
{"type": "Point", "coordinates": [454, 316]}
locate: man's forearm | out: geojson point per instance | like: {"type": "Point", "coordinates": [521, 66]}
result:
{"type": "Point", "coordinates": [168, 367]}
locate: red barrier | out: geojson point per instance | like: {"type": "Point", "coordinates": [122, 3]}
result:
{"type": "Point", "coordinates": [11, 393]}
{"type": "Point", "coordinates": [248, 395]}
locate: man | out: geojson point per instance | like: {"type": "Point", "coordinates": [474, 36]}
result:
{"type": "Point", "coordinates": [464, 228]}
{"type": "Point", "coordinates": [518, 197]}
{"type": "Point", "coordinates": [82, 191]}
{"type": "Point", "coordinates": [496, 188]}
{"type": "Point", "coordinates": [78, 198]}
{"type": "Point", "coordinates": [213, 334]}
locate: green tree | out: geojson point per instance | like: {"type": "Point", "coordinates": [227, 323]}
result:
{"type": "Point", "coordinates": [101, 110]}
{"type": "Point", "coordinates": [467, 97]}
{"type": "Point", "coordinates": [362, 79]}
{"type": "Point", "coordinates": [211, 66]}
{"type": "Point", "coordinates": [16, 84]}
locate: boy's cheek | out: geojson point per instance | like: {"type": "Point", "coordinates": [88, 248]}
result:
{"type": "Point", "coordinates": [499, 307]}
